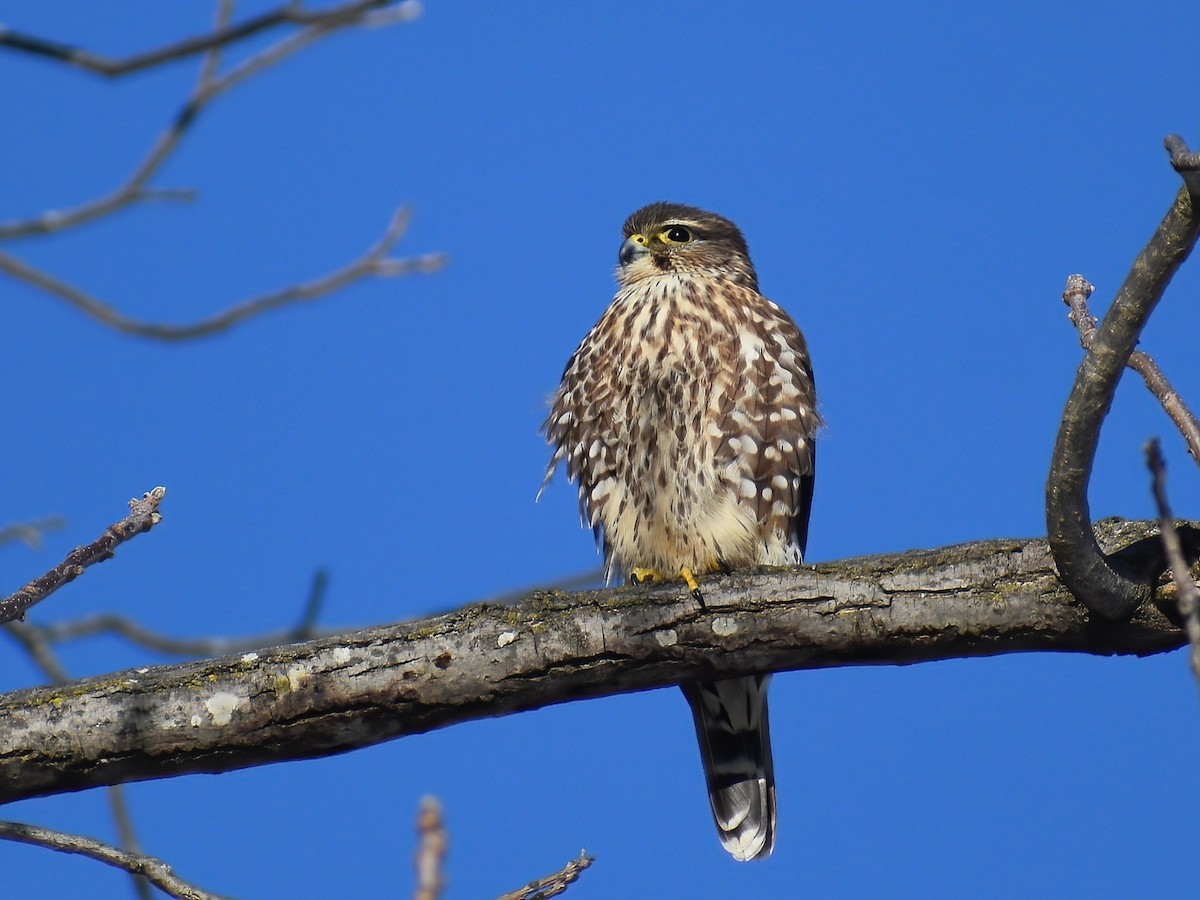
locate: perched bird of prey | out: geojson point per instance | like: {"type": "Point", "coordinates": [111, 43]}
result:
{"type": "Point", "coordinates": [687, 417]}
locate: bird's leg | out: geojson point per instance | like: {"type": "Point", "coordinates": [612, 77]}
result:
{"type": "Point", "coordinates": [712, 567]}
{"type": "Point", "coordinates": [686, 574]}
{"type": "Point", "coordinates": [639, 575]}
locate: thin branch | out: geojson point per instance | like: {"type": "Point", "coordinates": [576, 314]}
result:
{"type": "Point", "coordinates": [1110, 593]}
{"type": "Point", "coordinates": [552, 885]}
{"type": "Point", "coordinates": [34, 636]}
{"type": "Point", "coordinates": [362, 687]}
{"type": "Point", "coordinates": [128, 837]}
{"type": "Point", "coordinates": [306, 628]}
{"type": "Point", "coordinates": [30, 532]}
{"type": "Point", "coordinates": [212, 59]}
{"type": "Point", "coordinates": [207, 88]}
{"type": "Point", "coordinates": [142, 517]}
{"type": "Point", "coordinates": [1076, 297]}
{"type": "Point", "coordinates": [1187, 592]}
{"type": "Point", "coordinates": [431, 850]}
{"type": "Point", "coordinates": [38, 648]}
{"type": "Point", "coordinates": [133, 189]}
{"type": "Point", "coordinates": [154, 870]}
{"type": "Point", "coordinates": [139, 635]}
{"type": "Point", "coordinates": [374, 262]}
{"type": "Point", "coordinates": [210, 85]}
{"type": "Point", "coordinates": [289, 14]}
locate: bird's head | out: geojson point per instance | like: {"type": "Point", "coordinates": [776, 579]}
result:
{"type": "Point", "coordinates": [670, 238]}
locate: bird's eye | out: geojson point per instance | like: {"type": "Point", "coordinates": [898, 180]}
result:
{"type": "Point", "coordinates": [677, 234]}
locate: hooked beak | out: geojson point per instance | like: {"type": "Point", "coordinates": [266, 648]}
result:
{"type": "Point", "coordinates": [632, 249]}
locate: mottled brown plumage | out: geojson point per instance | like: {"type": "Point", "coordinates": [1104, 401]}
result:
{"type": "Point", "coordinates": [687, 417]}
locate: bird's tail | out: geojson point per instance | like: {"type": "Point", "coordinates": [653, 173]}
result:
{"type": "Point", "coordinates": [735, 747]}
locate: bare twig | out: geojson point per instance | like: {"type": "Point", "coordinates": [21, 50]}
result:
{"type": "Point", "coordinates": [35, 644]}
{"type": "Point", "coordinates": [431, 850]}
{"type": "Point", "coordinates": [1076, 297]}
{"type": "Point", "coordinates": [1187, 593]}
{"type": "Point", "coordinates": [30, 532]}
{"type": "Point", "coordinates": [154, 870]}
{"type": "Point", "coordinates": [552, 885]}
{"type": "Point", "coordinates": [143, 516]}
{"type": "Point", "coordinates": [134, 187]}
{"type": "Point", "coordinates": [212, 59]}
{"type": "Point", "coordinates": [209, 85]}
{"type": "Point", "coordinates": [293, 13]}
{"type": "Point", "coordinates": [110, 623]}
{"type": "Point", "coordinates": [128, 837]}
{"type": "Point", "coordinates": [37, 638]}
{"type": "Point", "coordinates": [374, 262]}
{"type": "Point", "coordinates": [306, 628]}
{"type": "Point", "coordinates": [1093, 579]}
{"type": "Point", "coordinates": [207, 88]}
{"type": "Point", "coordinates": [39, 651]}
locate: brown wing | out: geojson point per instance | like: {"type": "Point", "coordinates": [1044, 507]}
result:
{"type": "Point", "coordinates": [580, 426]}
{"type": "Point", "coordinates": [769, 425]}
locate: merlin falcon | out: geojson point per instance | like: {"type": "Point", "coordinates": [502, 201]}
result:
{"type": "Point", "coordinates": [687, 416]}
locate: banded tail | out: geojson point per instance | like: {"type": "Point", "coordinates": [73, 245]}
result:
{"type": "Point", "coordinates": [735, 748]}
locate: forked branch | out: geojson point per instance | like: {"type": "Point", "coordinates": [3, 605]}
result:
{"type": "Point", "coordinates": [210, 84]}
{"type": "Point", "coordinates": [1076, 297]}
{"type": "Point", "coordinates": [1110, 590]}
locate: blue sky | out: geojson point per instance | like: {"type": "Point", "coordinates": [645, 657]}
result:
{"type": "Point", "coordinates": [915, 181]}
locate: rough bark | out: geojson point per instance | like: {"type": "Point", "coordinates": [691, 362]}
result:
{"type": "Point", "coordinates": [1102, 583]}
{"type": "Point", "coordinates": [362, 687]}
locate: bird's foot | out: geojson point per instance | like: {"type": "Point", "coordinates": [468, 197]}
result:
{"type": "Point", "coordinates": [686, 574]}
{"type": "Point", "coordinates": [638, 575]}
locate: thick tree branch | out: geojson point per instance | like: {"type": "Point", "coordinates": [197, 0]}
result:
{"type": "Point", "coordinates": [1185, 162]}
{"type": "Point", "coordinates": [143, 515]}
{"type": "Point", "coordinates": [1108, 589]}
{"type": "Point", "coordinates": [359, 688]}
{"type": "Point", "coordinates": [45, 658]}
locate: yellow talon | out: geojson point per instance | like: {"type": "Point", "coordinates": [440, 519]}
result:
{"type": "Point", "coordinates": [644, 576]}
{"type": "Point", "coordinates": [686, 574]}
{"type": "Point", "coordinates": [638, 575]}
